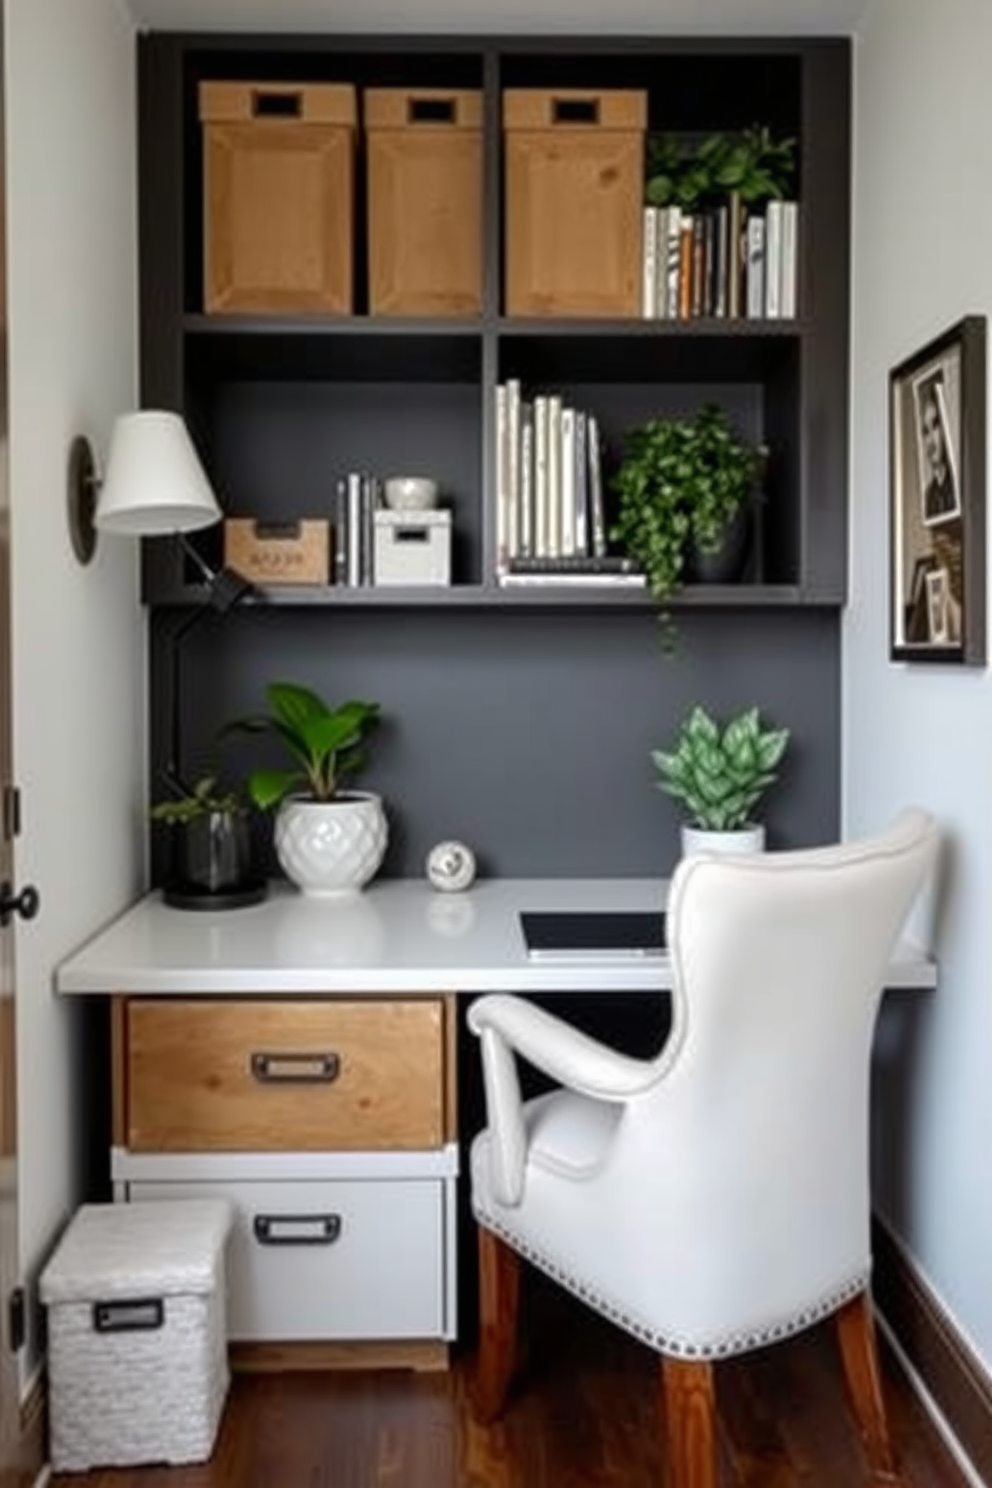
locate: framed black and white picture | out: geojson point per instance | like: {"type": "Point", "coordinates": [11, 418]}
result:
{"type": "Point", "coordinates": [937, 499]}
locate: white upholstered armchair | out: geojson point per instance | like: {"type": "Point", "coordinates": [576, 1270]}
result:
{"type": "Point", "coordinates": [714, 1198]}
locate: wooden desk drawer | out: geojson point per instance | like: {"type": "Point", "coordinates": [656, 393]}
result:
{"type": "Point", "coordinates": [284, 1076]}
{"type": "Point", "coordinates": [330, 1260]}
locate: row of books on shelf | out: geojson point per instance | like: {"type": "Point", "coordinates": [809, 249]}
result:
{"type": "Point", "coordinates": [357, 497]}
{"type": "Point", "coordinates": [550, 522]}
{"type": "Point", "coordinates": [722, 261]}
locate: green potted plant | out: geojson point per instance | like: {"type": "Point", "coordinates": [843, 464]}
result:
{"type": "Point", "coordinates": [752, 163]}
{"type": "Point", "coordinates": [684, 486]}
{"type": "Point", "coordinates": [720, 775]}
{"type": "Point", "coordinates": [210, 845]}
{"type": "Point", "coordinates": [329, 840]}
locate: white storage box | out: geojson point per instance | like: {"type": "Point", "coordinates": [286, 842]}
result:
{"type": "Point", "coordinates": [137, 1339]}
{"type": "Point", "coordinates": [412, 547]}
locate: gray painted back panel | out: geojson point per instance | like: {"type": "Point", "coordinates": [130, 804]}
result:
{"type": "Point", "coordinates": [529, 736]}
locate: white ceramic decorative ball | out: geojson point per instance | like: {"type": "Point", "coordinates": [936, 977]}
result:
{"type": "Point", "coordinates": [450, 866]}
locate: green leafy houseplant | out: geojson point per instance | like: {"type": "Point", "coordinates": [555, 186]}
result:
{"type": "Point", "coordinates": [753, 163]}
{"type": "Point", "coordinates": [721, 776]}
{"type": "Point", "coordinates": [680, 482]}
{"type": "Point", "coordinates": [203, 798]}
{"type": "Point", "coordinates": [325, 743]}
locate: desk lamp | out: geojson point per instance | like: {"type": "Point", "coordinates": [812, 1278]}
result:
{"type": "Point", "coordinates": [155, 486]}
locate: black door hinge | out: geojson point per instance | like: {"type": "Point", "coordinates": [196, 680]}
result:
{"type": "Point", "coordinates": [11, 812]}
{"type": "Point", "coordinates": [16, 1319]}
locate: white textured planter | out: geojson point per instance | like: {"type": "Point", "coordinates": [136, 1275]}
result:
{"type": "Point", "coordinates": [746, 840]}
{"type": "Point", "coordinates": [329, 848]}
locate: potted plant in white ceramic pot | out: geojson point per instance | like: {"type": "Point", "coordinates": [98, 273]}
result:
{"type": "Point", "coordinates": [720, 775]}
{"type": "Point", "coordinates": [328, 840]}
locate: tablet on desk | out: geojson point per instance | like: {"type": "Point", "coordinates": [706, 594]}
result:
{"type": "Point", "coordinates": [584, 935]}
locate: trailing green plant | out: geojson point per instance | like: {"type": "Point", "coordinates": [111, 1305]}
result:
{"type": "Point", "coordinates": [753, 163]}
{"type": "Point", "coordinates": [721, 776]}
{"type": "Point", "coordinates": [203, 798]}
{"type": "Point", "coordinates": [680, 481]}
{"type": "Point", "coordinates": [325, 743]}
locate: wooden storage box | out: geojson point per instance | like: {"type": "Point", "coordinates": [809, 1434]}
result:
{"type": "Point", "coordinates": [574, 201]}
{"type": "Point", "coordinates": [424, 200]}
{"type": "Point", "coordinates": [278, 197]}
{"type": "Point", "coordinates": [278, 552]}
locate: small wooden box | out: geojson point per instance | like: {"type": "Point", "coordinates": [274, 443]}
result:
{"type": "Point", "coordinates": [278, 552]}
{"type": "Point", "coordinates": [424, 200]}
{"type": "Point", "coordinates": [278, 197]}
{"type": "Point", "coordinates": [574, 201]}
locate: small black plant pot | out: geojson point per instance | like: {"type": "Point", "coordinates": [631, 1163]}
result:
{"type": "Point", "coordinates": [211, 863]}
{"type": "Point", "coordinates": [728, 563]}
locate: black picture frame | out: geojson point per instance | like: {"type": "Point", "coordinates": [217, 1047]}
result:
{"type": "Point", "coordinates": [937, 462]}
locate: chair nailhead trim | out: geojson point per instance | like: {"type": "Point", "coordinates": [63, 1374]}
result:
{"type": "Point", "coordinates": [717, 1348]}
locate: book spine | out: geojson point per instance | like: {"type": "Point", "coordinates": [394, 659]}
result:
{"type": "Point", "coordinates": [596, 488]}
{"type": "Point", "coordinates": [790, 257]}
{"type": "Point", "coordinates": [649, 287]}
{"type": "Point", "coordinates": [582, 523]}
{"type": "Point", "coordinates": [341, 531]}
{"type": "Point", "coordinates": [673, 258]}
{"type": "Point", "coordinates": [568, 482]}
{"type": "Point", "coordinates": [541, 475]}
{"type": "Point", "coordinates": [502, 549]}
{"type": "Point", "coordinates": [755, 267]}
{"type": "Point", "coordinates": [721, 249]}
{"type": "Point", "coordinates": [685, 266]}
{"type": "Point", "coordinates": [612, 563]}
{"type": "Point", "coordinates": [773, 260]}
{"type": "Point", "coordinates": [698, 297]}
{"type": "Point", "coordinates": [526, 479]}
{"type": "Point", "coordinates": [513, 466]}
{"type": "Point", "coordinates": [354, 570]}
{"type": "Point", "coordinates": [735, 253]}
{"type": "Point", "coordinates": [554, 475]}
{"type": "Point", "coordinates": [573, 580]}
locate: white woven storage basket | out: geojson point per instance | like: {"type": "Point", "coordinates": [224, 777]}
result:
{"type": "Point", "coordinates": [137, 1335]}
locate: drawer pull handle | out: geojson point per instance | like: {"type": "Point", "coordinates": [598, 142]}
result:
{"type": "Point", "coordinates": [135, 1315]}
{"type": "Point", "coordinates": [295, 1069]}
{"type": "Point", "coordinates": [296, 1229]}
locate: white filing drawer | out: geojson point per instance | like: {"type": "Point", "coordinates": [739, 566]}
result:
{"type": "Point", "coordinates": [330, 1259]}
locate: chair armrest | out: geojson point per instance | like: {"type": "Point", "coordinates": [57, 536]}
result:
{"type": "Point", "coordinates": [561, 1051]}
{"type": "Point", "coordinates": [506, 1024]}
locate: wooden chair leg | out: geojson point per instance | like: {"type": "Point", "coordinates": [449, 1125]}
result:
{"type": "Point", "coordinates": [499, 1297]}
{"type": "Point", "coordinates": [690, 1405]}
{"type": "Point", "coordinates": [859, 1353]}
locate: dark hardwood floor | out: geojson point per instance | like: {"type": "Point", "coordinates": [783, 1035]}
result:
{"type": "Point", "coordinates": [583, 1415]}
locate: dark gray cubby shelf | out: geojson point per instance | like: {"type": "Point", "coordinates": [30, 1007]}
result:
{"type": "Point", "coordinates": [281, 406]}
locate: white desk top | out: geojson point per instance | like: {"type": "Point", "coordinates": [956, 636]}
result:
{"type": "Point", "coordinates": [397, 936]}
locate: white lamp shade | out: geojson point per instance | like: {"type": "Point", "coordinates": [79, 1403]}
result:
{"type": "Point", "coordinates": [154, 483]}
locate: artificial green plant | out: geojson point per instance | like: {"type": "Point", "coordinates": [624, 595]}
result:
{"type": "Point", "coordinates": [720, 776]}
{"type": "Point", "coordinates": [325, 743]}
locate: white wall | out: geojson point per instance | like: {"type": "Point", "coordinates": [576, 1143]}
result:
{"type": "Point", "coordinates": [78, 634]}
{"type": "Point", "coordinates": [922, 260]}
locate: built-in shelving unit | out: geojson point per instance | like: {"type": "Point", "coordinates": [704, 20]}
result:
{"type": "Point", "coordinates": [281, 407]}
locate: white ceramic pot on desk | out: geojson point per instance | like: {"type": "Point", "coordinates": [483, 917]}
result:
{"type": "Point", "coordinates": [328, 848]}
{"type": "Point", "coordinates": [744, 840]}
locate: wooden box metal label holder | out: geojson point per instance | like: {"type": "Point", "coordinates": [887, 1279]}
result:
{"type": "Point", "coordinates": [574, 200]}
{"type": "Point", "coordinates": [278, 552]}
{"type": "Point", "coordinates": [424, 200]}
{"type": "Point", "coordinates": [278, 197]}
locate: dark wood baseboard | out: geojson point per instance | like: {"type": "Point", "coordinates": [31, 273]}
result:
{"type": "Point", "coordinates": [34, 1432]}
{"type": "Point", "coordinates": [954, 1377]}
{"type": "Point", "coordinates": [259, 1358]}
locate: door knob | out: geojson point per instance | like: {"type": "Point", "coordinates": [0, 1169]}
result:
{"type": "Point", "coordinates": [26, 903]}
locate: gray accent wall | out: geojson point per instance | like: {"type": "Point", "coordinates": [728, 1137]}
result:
{"type": "Point", "coordinates": [526, 735]}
